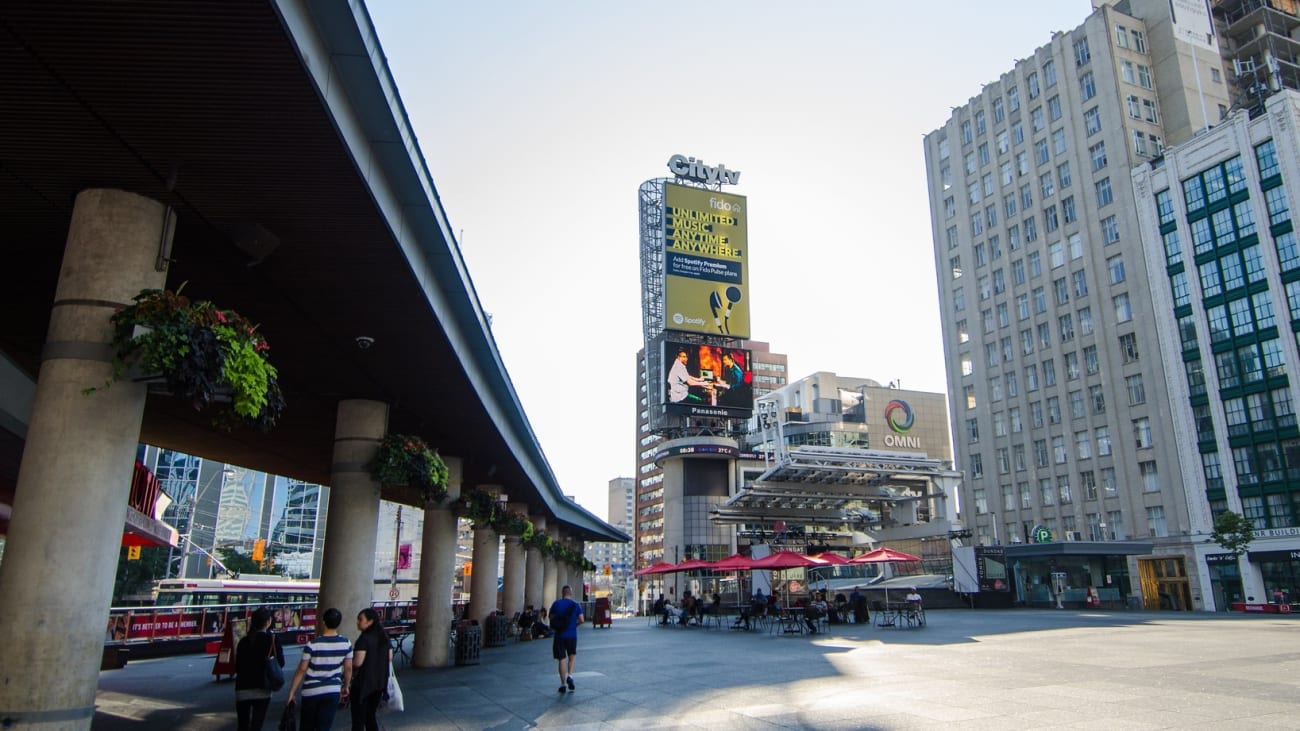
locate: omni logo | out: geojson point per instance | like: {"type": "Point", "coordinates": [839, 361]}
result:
{"type": "Point", "coordinates": [898, 414]}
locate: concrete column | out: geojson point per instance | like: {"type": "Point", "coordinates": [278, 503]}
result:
{"type": "Point", "coordinates": [550, 574]}
{"type": "Point", "coordinates": [347, 580]}
{"type": "Point", "coordinates": [535, 573]}
{"type": "Point", "coordinates": [512, 585]}
{"type": "Point", "coordinates": [487, 556]}
{"type": "Point", "coordinates": [56, 581]}
{"type": "Point", "coordinates": [437, 576]}
{"type": "Point", "coordinates": [577, 575]}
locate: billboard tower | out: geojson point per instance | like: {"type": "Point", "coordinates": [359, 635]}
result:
{"type": "Point", "coordinates": [694, 296]}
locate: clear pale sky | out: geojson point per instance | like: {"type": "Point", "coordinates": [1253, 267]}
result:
{"type": "Point", "coordinates": [539, 120]}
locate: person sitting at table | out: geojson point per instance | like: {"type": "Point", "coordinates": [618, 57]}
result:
{"type": "Point", "coordinates": [671, 612]}
{"type": "Point", "coordinates": [839, 610]}
{"type": "Point", "coordinates": [913, 601]}
{"type": "Point", "coordinates": [714, 607]}
{"type": "Point", "coordinates": [658, 609]}
{"type": "Point", "coordinates": [814, 610]}
{"type": "Point", "coordinates": [689, 607]}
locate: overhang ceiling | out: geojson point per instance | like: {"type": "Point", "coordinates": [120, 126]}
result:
{"type": "Point", "coordinates": [217, 109]}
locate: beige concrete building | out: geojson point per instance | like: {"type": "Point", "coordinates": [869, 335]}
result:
{"type": "Point", "coordinates": [1054, 367]}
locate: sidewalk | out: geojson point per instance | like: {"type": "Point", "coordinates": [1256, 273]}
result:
{"type": "Point", "coordinates": [967, 669]}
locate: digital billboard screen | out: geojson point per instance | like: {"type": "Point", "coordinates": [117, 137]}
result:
{"type": "Point", "coordinates": [705, 248]}
{"type": "Point", "coordinates": [708, 380]}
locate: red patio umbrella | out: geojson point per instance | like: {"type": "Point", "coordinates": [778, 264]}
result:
{"type": "Point", "coordinates": [692, 564]}
{"type": "Point", "coordinates": [734, 562]}
{"type": "Point", "coordinates": [660, 568]}
{"type": "Point", "coordinates": [831, 558]}
{"type": "Point", "coordinates": [885, 555]}
{"type": "Point", "coordinates": [786, 560]}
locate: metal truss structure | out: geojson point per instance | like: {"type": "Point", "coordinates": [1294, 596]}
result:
{"type": "Point", "coordinates": [836, 487]}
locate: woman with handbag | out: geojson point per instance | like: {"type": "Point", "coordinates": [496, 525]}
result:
{"type": "Point", "coordinates": [371, 655]}
{"type": "Point", "coordinates": [258, 659]}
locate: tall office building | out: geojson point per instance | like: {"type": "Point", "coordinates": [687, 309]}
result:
{"type": "Point", "coordinates": [1225, 284]}
{"type": "Point", "coordinates": [1054, 369]}
{"type": "Point", "coordinates": [769, 371]}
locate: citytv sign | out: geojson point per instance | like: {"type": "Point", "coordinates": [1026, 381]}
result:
{"type": "Point", "coordinates": [691, 169]}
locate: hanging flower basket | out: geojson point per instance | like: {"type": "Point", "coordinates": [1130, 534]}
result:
{"type": "Point", "coordinates": [198, 352]}
{"type": "Point", "coordinates": [483, 510]}
{"type": "Point", "coordinates": [517, 524]}
{"type": "Point", "coordinates": [407, 460]}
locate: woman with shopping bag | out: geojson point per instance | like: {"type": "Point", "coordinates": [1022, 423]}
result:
{"type": "Point", "coordinates": [372, 659]}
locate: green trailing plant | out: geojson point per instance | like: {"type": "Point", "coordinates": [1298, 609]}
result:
{"type": "Point", "coordinates": [201, 352]}
{"type": "Point", "coordinates": [516, 524]}
{"type": "Point", "coordinates": [403, 459]}
{"type": "Point", "coordinates": [587, 565]}
{"type": "Point", "coordinates": [539, 542]}
{"type": "Point", "coordinates": [482, 509]}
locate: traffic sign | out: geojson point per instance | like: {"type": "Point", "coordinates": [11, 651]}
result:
{"type": "Point", "coordinates": [393, 593]}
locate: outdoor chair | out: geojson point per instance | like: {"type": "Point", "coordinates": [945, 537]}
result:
{"type": "Point", "coordinates": [883, 617]}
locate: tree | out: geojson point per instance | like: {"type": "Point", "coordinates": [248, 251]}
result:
{"type": "Point", "coordinates": [1233, 532]}
{"type": "Point", "coordinates": [239, 563]}
{"type": "Point", "coordinates": [135, 578]}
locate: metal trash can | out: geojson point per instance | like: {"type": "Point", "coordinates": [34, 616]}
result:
{"type": "Point", "coordinates": [496, 631]}
{"type": "Point", "coordinates": [469, 637]}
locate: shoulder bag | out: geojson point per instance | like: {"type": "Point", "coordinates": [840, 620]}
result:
{"type": "Point", "coordinates": [273, 679]}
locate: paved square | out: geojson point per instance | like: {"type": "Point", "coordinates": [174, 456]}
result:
{"type": "Point", "coordinates": [968, 669]}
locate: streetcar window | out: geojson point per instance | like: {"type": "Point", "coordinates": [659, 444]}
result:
{"type": "Point", "coordinates": [169, 598]}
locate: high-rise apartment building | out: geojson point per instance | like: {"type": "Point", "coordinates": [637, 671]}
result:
{"type": "Point", "coordinates": [1225, 286]}
{"type": "Point", "coordinates": [769, 371]}
{"type": "Point", "coordinates": [1055, 374]}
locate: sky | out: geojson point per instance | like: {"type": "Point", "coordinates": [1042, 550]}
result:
{"type": "Point", "coordinates": [539, 120]}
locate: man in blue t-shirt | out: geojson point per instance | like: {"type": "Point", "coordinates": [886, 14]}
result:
{"type": "Point", "coordinates": [566, 615]}
{"type": "Point", "coordinates": [324, 674]}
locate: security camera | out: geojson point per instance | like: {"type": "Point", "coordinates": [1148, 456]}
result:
{"type": "Point", "coordinates": [365, 341]}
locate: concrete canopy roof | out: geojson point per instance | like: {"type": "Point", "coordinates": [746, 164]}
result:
{"type": "Point", "coordinates": [252, 118]}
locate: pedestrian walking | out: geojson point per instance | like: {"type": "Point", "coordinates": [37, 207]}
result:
{"type": "Point", "coordinates": [371, 657]}
{"type": "Point", "coordinates": [252, 654]}
{"type": "Point", "coordinates": [324, 675]}
{"type": "Point", "coordinates": [566, 615]}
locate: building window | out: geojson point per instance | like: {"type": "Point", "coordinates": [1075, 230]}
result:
{"type": "Point", "coordinates": [1087, 86]}
{"type": "Point", "coordinates": [1134, 106]}
{"type": "Point", "coordinates": [1110, 229]}
{"type": "Point", "coordinates": [1097, 153]}
{"type": "Point", "coordinates": [1081, 53]}
{"type": "Point", "coordinates": [1049, 74]}
{"type": "Point", "coordinates": [1098, 398]}
{"type": "Point", "coordinates": [1080, 283]}
{"type": "Point", "coordinates": [1142, 433]}
{"type": "Point", "coordinates": [1104, 196]}
{"type": "Point", "coordinates": [1266, 158]}
{"type": "Point", "coordinates": [1156, 522]}
{"type": "Point", "coordinates": [1128, 347]}
{"type": "Point", "coordinates": [1102, 434]}
{"type": "Point", "coordinates": [1054, 108]}
{"type": "Point", "coordinates": [1123, 310]}
{"type": "Point", "coordinates": [1092, 121]}
{"type": "Point", "coordinates": [1091, 364]}
{"type": "Point", "coordinates": [1137, 393]}
{"type": "Point", "coordinates": [1032, 81]}
{"type": "Point", "coordinates": [1126, 72]}
{"type": "Point", "coordinates": [1139, 41]}
{"type": "Point", "coordinates": [1077, 410]}
{"type": "Point", "coordinates": [1115, 266]}
{"type": "Point", "coordinates": [1085, 320]}
{"type": "Point", "coordinates": [1083, 445]}
{"type": "Point", "coordinates": [1121, 36]}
